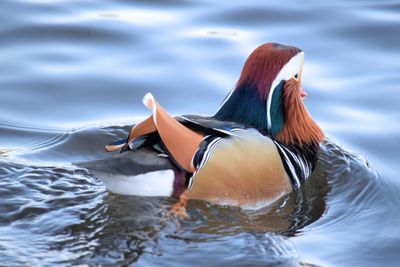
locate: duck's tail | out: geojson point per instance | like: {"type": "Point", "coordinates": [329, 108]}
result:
{"type": "Point", "coordinates": [181, 142]}
{"type": "Point", "coordinates": [140, 129]}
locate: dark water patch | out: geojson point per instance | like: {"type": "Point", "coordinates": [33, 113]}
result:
{"type": "Point", "coordinates": [140, 232]}
{"type": "Point", "coordinates": [36, 208]}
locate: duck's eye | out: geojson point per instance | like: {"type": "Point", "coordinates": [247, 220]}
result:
{"type": "Point", "coordinates": [296, 76]}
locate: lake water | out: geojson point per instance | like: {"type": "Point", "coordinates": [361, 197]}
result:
{"type": "Point", "coordinates": [72, 75]}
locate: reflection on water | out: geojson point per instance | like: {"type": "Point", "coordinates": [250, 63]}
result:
{"type": "Point", "coordinates": [72, 75]}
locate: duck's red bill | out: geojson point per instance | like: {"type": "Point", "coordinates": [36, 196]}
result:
{"type": "Point", "coordinates": [303, 93]}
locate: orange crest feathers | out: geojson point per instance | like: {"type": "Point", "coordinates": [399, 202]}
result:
{"type": "Point", "coordinates": [299, 127]}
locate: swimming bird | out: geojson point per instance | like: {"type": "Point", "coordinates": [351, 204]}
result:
{"type": "Point", "coordinates": [260, 145]}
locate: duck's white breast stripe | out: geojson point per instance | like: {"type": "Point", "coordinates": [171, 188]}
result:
{"type": "Point", "coordinates": [293, 173]}
{"type": "Point", "coordinates": [298, 161]}
{"type": "Point", "coordinates": [301, 166]}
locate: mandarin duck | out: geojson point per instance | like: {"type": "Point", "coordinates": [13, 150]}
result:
{"type": "Point", "coordinates": [260, 145]}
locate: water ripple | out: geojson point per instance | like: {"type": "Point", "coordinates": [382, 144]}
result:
{"type": "Point", "coordinates": [68, 66]}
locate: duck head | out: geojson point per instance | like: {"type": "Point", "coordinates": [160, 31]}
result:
{"type": "Point", "coordinates": [268, 96]}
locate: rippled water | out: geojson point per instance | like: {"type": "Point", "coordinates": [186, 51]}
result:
{"type": "Point", "coordinates": [72, 74]}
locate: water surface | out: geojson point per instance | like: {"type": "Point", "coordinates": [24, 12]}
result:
{"type": "Point", "coordinates": [72, 75]}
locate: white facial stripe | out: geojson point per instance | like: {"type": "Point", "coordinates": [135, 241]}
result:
{"type": "Point", "coordinates": [288, 71]}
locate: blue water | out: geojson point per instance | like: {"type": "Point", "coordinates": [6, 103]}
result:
{"type": "Point", "coordinates": [72, 75]}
